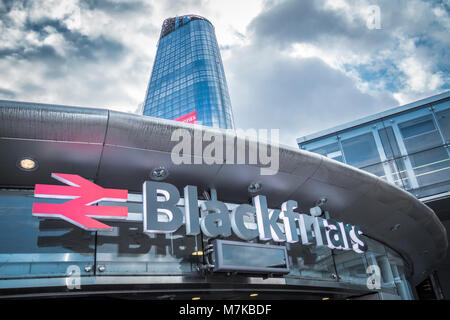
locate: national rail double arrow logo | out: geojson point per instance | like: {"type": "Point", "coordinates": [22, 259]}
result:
{"type": "Point", "coordinates": [80, 210]}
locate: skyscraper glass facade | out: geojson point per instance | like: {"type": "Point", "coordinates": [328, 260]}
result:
{"type": "Point", "coordinates": [188, 75]}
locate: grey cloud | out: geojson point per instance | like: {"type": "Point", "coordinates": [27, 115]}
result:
{"type": "Point", "coordinates": [111, 7]}
{"type": "Point", "coordinates": [5, 8]}
{"type": "Point", "coordinates": [80, 50]}
{"type": "Point", "coordinates": [296, 96]}
{"type": "Point", "coordinates": [178, 7]}
{"type": "Point", "coordinates": [43, 54]}
{"type": "Point", "coordinates": [84, 68]}
{"type": "Point", "coordinates": [296, 20]}
{"type": "Point", "coordinates": [267, 88]}
{"type": "Point", "coordinates": [8, 94]}
{"type": "Point", "coordinates": [117, 8]}
{"type": "Point", "coordinates": [7, 5]}
{"type": "Point", "coordinates": [308, 21]}
{"type": "Point", "coordinates": [82, 46]}
{"type": "Point", "coordinates": [409, 29]}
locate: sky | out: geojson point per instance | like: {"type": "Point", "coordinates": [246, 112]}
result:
{"type": "Point", "coordinates": [299, 66]}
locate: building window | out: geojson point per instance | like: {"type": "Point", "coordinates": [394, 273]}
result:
{"type": "Point", "coordinates": [443, 118]}
{"type": "Point", "coordinates": [420, 134]}
{"type": "Point", "coordinates": [361, 151]}
{"type": "Point", "coordinates": [331, 151]}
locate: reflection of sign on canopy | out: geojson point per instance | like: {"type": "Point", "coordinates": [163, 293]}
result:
{"type": "Point", "coordinates": [190, 117]}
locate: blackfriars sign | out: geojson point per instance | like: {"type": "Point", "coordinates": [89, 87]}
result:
{"type": "Point", "coordinates": [212, 217]}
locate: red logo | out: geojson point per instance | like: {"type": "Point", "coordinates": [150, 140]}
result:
{"type": "Point", "coordinates": [190, 117]}
{"type": "Point", "coordinates": [79, 211]}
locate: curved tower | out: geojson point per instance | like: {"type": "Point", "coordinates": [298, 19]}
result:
{"type": "Point", "coordinates": [188, 77]}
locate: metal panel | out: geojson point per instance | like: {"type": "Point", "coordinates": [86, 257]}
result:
{"type": "Point", "coordinates": [51, 156]}
{"type": "Point", "coordinates": [52, 122]}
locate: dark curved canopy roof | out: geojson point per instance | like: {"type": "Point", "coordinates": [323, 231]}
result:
{"type": "Point", "coordinates": [118, 150]}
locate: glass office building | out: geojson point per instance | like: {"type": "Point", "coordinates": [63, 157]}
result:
{"type": "Point", "coordinates": [407, 146]}
{"type": "Point", "coordinates": [188, 75]}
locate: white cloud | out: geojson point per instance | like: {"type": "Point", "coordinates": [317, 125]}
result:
{"type": "Point", "coordinates": [420, 81]}
{"type": "Point", "coordinates": [101, 54]}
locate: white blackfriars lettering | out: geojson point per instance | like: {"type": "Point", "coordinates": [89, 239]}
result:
{"type": "Point", "coordinates": [215, 220]}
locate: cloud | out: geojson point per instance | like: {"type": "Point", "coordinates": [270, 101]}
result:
{"type": "Point", "coordinates": [52, 42]}
{"type": "Point", "coordinates": [9, 94]}
{"type": "Point", "coordinates": [310, 65]}
{"type": "Point", "coordinates": [315, 23]}
{"type": "Point", "coordinates": [115, 7]}
{"type": "Point", "coordinates": [297, 96]}
{"type": "Point", "coordinates": [412, 34]}
{"type": "Point", "coordinates": [299, 66]}
{"type": "Point", "coordinates": [79, 52]}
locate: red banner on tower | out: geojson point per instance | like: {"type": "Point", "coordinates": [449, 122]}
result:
{"type": "Point", "coordinates": [190, 117]}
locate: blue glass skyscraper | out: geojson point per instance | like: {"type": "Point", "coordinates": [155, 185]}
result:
{"type": "Point", "coordinates": [188, 75]}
